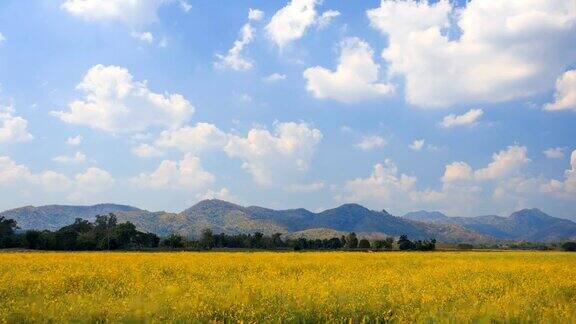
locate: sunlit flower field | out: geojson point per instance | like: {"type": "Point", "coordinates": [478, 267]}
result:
{"type": "Point", "coordinates": [289, 287]}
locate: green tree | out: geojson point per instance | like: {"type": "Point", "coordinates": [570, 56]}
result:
{"type": "Point", "coordinates": [351, 241]}
{"type": "Point", "coordinates": [385, 244]}
{"type": "Point", "coordinates": [103, 228]}
{"type": "Point", "coordinates": [364, 244]}
{"type": "Point", "coordinates": [7, 232]}
{"type": "Point", "coordinates": [125, 234]}
{"type": "Point", "coordinates": [174, 241]}
{"type": "Point", "coordinates": [569, 246]}
{"type": "Point", "coordinates": [207, 239]}
{"type": "Point", "coordinates": [404, 243]}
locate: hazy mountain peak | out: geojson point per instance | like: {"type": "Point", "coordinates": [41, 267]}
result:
{"type": "Point", "coordinates": [426, 216]}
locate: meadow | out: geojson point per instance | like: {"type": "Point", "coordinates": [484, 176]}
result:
{"type": "Point", "coordinates": [288, 287]}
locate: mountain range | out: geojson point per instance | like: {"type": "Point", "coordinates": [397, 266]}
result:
{"type": "Point", "coordinates": [523, 225]}
{"type": "Point", "coordinates": [225, 217]}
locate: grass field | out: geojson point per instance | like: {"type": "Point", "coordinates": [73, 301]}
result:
{"type": "Point", "coordinates": [289, 287]}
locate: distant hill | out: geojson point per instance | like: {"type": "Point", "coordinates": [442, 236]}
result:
{"type": "Point", "coordinates": [55, 216]}
{"type": "Point", "coordinates": [525, 224]}
{"type": "Point", "coordinates": [224, 217]}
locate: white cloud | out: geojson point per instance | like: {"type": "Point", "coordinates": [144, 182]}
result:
{"type": "Point", "coordinates": [185, 5]}
{"type": "Point", "coordinates": [146, 151]}
{"type": "Point", "coordinates": [417, 144]}
{"type": "Point", "coordinates": [384, 186]}
{"type": "Point", "coordinates": [234, 59]}
{"type": "Point", "coordinates": [458, 172]}
{"type": "Point", "coordinates": [185, 174]}
{"type": "Point", "coordinates": [504, 163]}
{"type": "Point", "coordinates": [13, 129]}
{"type": "Point", "coordinates": [565, 96]}
{"type": "Point", "coordinates": [368, 143]}
{"type": "Point", "coordinates": [74, 140]}
{"type": "Point", "coordinates": [274, 77]}
{"type": "Point", "coordinates": [291, 22]}
{"type": "Point", "coordinates": [565, 188]}
{"type": "Point", "coordinates": [327, 17]}
{"type": "Point", "coordinates": [487, 51]}
{"type": "Point", "coordinates": [94, 179]}
{"type": "Point", "coordinates": [18, 175]}
{"type": "Point", "coordinates": [2, 38]}
{"type": "Point", "coordinates": [222, 194]}
{"type": "Point", "coordinates": [554, 152]}
{"type": "Point", "coordinates": [90, 183]}
{"type": "Point", "coordinates": [79, 157]}
{"type": "Point", "coordinates": [145, 37]}
{"type": "Point", "coordinates": [202, 136]}
{"type": "Point", "coordinates": [468, 118]}
{"type": "Point", "coordinates": [275, 157]}
{"type": "Point", "coordinates": [305, 188]}
{"type": "Point", "coordinates": [355, 78]}
{"type": "Point", "coordinates": [255, 14]}
{"type": "Point", "coordinates": [115, 103]}
{"type": "Point", "coordinates": [10, 172]}
{"type": "Point", "coordinates": [135, 13]}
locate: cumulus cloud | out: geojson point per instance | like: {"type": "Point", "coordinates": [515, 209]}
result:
{"type": "Point", "coordinates": [94, 179]}
{"type": "Point", "coordinates": [18, 175]}
{"type": "Point", "coordinates": [327, 17]}
{"type": "Point", "coordinates": [504, 163]}
{"type": "Point", "coordinates": [565, 188]}
{"type": "Point", "coordinates": [2, 39]}
{"type": "Point", "coordinates": [135, 13]}
{"type": "Point", "coordinates": [457, 172]}
{"type": "Point", "coordinates": [385, 185]}
{"type": "Point", "coordinates": [74, 140]}
{"type": "Point", "coordinates": [79, 157]}
{"type": "Point", "coordinates": [146, 151]}
{"type": "Point", "coordinates": [487, 51]}
{"type": "Point", "coordinates": [202, 136]}
{"type": "Point", "coordinates": [13, 129]}
{"type": "Point", "coordinates": [275, 157]}
{"type": "Point", "coordinates": [187, 174]}
{"type": "Point", "coordinates": [145, 37]}
{"type": "Point", "coordinates": [356, 77]}
{"type": "Point", "coordinates": [274, 77]}
{"type": "Point", "coordinates": [554, 152]}
{"type": "Point", "coordinates": [368, 143]}
{"type": "Point", "coordinates": [565, 96]}
{"type": "Point", "coordinates": [115, 103]}
{"type": "Point", "coordinates": [234, 59]}
{"type": "Point", "coordinates": [468, 118]}
{"type": "Point", "coordinates": [417, 145]}
{"type": "Point", "coordinates": [89, 183]}
{"type": "Point", "coordinates": [291, 22]}
{"type": "Point", "coordinates": [501, 184]}
{"type": "Point", "coordinates": [222, 194]}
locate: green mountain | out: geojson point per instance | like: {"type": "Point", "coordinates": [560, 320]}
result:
{"type": "Point", "coordinates": [523, 225]}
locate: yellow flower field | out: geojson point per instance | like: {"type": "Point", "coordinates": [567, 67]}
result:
{"type": "Point", "coordinates": [289, 287]}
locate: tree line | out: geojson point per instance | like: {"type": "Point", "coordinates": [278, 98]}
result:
{"type": "Point", "coordinates": [105, 233]}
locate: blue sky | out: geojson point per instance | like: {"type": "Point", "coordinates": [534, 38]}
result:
{"type": "Point", "coordinates": [464, 108]}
